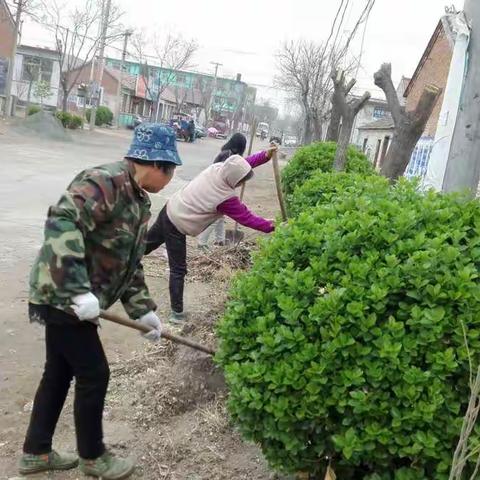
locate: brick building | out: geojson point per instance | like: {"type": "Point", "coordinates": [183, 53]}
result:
{"type": "Point", "coordinates": [433, 68]}
{"type": "Point", "coordinates": [133, 96]}
{"type": "Point", "coordinates": [7, 26]}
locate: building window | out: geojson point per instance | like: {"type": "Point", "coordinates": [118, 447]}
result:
{"type": "Point", "coordinates": [419, 161]}
{"type": "Point", "coordinates": [85, 101]}
{"type": "Point", "coordinates": [181, 79]}
{"type": "Point", "coordinates": [379, 112]}
{"type": "Point", "coordinates": [365, 143]}
{"type": "Point", "coordinates": [37, 69]}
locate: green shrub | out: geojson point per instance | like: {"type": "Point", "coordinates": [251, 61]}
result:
{"type": "Point", "coordinates": [324, 188]}
{"type": "Point", "coordinates": [75, 122]}
{"type": "Point", "coordinates": [64, 117]}
{"type": "Point", "coordinates": [345, 339]}
{"type": "Point", "coordinates": [319, 156]}
{"type": "Point", "coordinates": [32, 109]}
{"type": "Point", "coordinates": [103, 116]}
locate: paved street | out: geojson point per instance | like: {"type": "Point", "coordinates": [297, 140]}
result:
{"type": "Point", "coordinates": [36, 172]}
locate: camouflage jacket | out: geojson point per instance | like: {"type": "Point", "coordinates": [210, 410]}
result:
{"type": "Point", "coordinates": [94, 241]}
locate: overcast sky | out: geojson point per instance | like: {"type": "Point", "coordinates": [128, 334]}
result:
{"type": "Point", "coordinates": [244, 36]}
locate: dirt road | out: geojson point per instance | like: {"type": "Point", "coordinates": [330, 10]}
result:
{"type": "Point", "coordinates": [34, 173]}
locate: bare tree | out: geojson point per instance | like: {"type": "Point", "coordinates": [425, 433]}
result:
{"type": "Point", "coordinates": [305, 72]}
{"type": "Point", "coordinates": [78, 36]}
{"type": "Point", "coordinates": [348, 111]}
{"type": "Point", "coordinates": [170, 54]}
{"type": "Point", "coordinates": [24, 88]}
{"type": "Point", "coordinates": [409, 125]}
{"type": "Point", "coordinates": [305, 69]}
{"type": "Point", "coordinates": [336, 115]}
{"type": "Point", "coordinates": [181, 96]}
{"type": "Point", "coordinates": [204, 86]}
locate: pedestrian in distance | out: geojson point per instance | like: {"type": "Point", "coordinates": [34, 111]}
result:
{"type": "Point", "coordinates": [90, 258]}
{"type": "Point", "coordinates": [235, 146]}
{"type": "Point", "coordinates": [191, 130]}
{"type": "Point", "coordinates": [191, 210]}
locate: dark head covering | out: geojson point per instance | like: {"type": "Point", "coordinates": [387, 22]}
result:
{"type": "Point", "coordinates": [235, 146]}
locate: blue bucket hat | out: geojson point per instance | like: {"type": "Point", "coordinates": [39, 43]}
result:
{"type": "Point", "coordinates": [154, 142]}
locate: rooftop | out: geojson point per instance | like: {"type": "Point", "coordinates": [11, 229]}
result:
{"type": "Point", "coordinates": [385, 123]}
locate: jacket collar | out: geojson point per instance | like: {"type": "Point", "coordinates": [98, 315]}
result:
{"type": "Point", "coordinates": [139, 190]}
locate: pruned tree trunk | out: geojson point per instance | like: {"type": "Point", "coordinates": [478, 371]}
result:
{"type": "Point", "coordinates": [307, 136]}
{"type": "Point", "coordinates": [334, 125]}
{"type": "Point", "coordinates": [343, 143]}
{"type": "Point", "coordinates": [317, 127]}
{"type": "Point", "coordinates": [348, 112]}
{"type": "Point", "coordinates": [65, 101]}
{"type": "Point", "coordinates": [409, 126]}
{"type": "Point", "coordinates": [333, 131]}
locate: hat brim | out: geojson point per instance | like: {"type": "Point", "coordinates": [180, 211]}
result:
{"type": "Point", "coordinates": [154, 155]}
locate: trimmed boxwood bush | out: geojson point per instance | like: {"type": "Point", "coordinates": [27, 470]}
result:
{"type": "Point", "coordinates": [69, 120]}
{"type": "Point", "coordinates": [319, 156]}
{"type": "Point", "coordinates": [345, 339]}
{"type": "Point", "coordinates": [33, 109]}
{"type": "Point", "coordinates": [64, 117]}
{"type": "Point", "coordinates": [75, 122]}
{"type": "Point", "coordinates": [324, 188]}
{"type": "Point", "coordinates": [103, 116]}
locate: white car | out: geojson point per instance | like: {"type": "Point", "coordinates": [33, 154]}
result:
{"type": "Point", "coordinates": [290, 141]}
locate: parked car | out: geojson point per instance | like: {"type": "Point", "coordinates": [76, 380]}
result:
{"type": "Point", "coordinates": [276, 139]}
{"type": "Point", "coordinates": [262, 130]}
{"type": "Point", "coordinates": [200, 132]}
{"type": "Point", "coordinates": [290, 141]}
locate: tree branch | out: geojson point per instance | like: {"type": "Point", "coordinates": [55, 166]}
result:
{"type": "Point", "coordinates": [383, 80]}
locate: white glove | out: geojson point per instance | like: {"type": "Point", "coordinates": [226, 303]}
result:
{"type": "Point", "coordinates": [86, 307]}
{"type": "Point", "coordinates": [152, 321]}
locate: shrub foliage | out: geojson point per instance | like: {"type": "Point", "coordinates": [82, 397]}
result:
{"type": "Point", "coordinates": [69, 120]}
{"type": "Point", "coordinates": [64, 117]}
{"type": "Point", "coordinates": [319, 156]}
{"type": "Point", "coordinates": [103, 116]}
{"type": "Point", "coordinates": [345, 339]}
{"type": "Point", "coordinates": [32, 109]}
{"type": "Point", "coordinates": [324, 188]}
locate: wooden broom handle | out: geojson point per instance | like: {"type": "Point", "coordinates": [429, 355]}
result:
{"type": "Point", "coordinates": [112, 317]}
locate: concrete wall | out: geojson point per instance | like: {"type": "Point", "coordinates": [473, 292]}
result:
{"type": "Point", "coordinates": [20, 87]}
{"type": "Point", "coordinates": [434, 71]}
{"type": "Point", "coordinates": [373, 138]}
{"type": "Point", "coordinates": [364, 117]}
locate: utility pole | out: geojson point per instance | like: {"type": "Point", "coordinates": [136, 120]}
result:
{"type": "Point", "coordinates": [11, 65]}
{"type": "Point", "coordinates": [214, 89]}
{"type": "Point", "coordinates": [463, 167]}
{"type": "Point", "coordinates": [101, 60]}
{"type": "Point", "coordinates": [126, 35]}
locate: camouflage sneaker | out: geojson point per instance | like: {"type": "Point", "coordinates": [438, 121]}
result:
{"type": "Point", "coordinates": [108, 467]}
{"type": "Point", "coordinates": [43, 463]}
{"type": "Point", "coordinates": [177, 318]}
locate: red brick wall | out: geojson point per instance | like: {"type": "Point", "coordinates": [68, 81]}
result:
{"type": "Point", "coordinates": [109, 84]}
{"type": "Point", "coordinates": [6, 32]}
{"type": "Point", "coordinates": [434, 71]}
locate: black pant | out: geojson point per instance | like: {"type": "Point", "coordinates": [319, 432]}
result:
{"type": "Point", "coordinates": [73, 350]}
{"type": "Point", "coordinates": [164, 231]}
